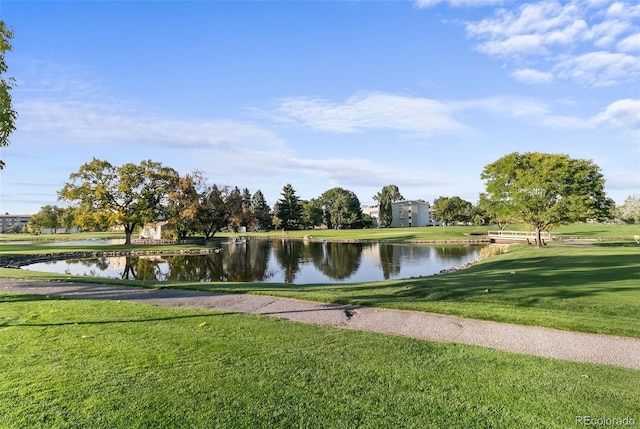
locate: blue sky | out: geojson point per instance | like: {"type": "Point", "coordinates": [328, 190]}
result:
{"type": "Point", "coordinates": [358, 94]}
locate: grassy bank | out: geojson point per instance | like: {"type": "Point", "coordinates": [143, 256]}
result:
{"type": "Point", "coordinates": [580, 230]}
{"type": "Point", "coordinates": [73, 363]}
{"type": "Point", "coordinates": [589, 289]}
{"type": "Point", "coordinates": [382, 234]}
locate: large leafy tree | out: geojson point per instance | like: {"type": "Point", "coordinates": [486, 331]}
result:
{"type": "Point", "coordinates": [545, 190]}
{"type": "Point", "coordinates": [213, 213]}
{"type": "Point", "coordinates": [289, 208]}
{"type": "Point", "coordinates": [129, 195]}
{"type": "Point", "coordinates": [183, 203]}
{"type": "Point", "coordinates": [342, 208]}
{"type": "Point", "coordinates": [69, 218]}
{"type": "Point", "coordinates": [8, 116]}
{"type": "Point", "coordinates": [452, 209]}
{"type": "Point", "coordinates": [385, 197]}
{"type": "Point", "coordinates": [49, 216]}
{"type": "Point", "coordinates": [312, 212]}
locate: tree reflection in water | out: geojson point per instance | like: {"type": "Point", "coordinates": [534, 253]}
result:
{"type": "Point", "coordinates": [278, 260]}
{"type": "Point", "coordinates": [335, 260]}
{"type": "Point", "coordinates": [289, 254]}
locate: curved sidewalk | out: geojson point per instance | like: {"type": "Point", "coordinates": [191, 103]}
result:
{"type": "Point", "coordinates": [531, 340]}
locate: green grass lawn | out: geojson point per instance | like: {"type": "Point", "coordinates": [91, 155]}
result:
{"type": "Point", "coordinates": [589, 289]}
{"type": "Point", "coordinates": [598, 230]}
{"type": "Point", "coordinates": [583, 230]}
{"type": "Point", "coordinates": [385, 234]}
{"type": "Point", "coordinates": [99, 364]}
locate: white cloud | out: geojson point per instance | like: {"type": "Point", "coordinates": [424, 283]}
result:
{"type": "Point", "coordinates": [530, 110]}
{"type": "Point", "coordinates": [427, 3]}
{"type": "Point", "coordinates": [104, 125]}
{"type": "Point", "coordinates": [514, 46]}
{"type": "Point", "coordinates": [605, 34]}
{"type": "Point", "coordinates": [530, 18]}
{"type": "Point", "coordinates": [624, 10]}
{"type": "Point", "coordinates": [356, 171]}
{"type": "Point", "coordinates": [571, 40]}
{"type": "Point", "coordinates": [622, 113]}
{"type": "Point", "coordinates": [599, 68]}
{"type": "Point", "coordinates": [532, 76]}
{"type": "Point", "coordinates": [630, 43]}
{"type": "Point", "coordinates": [374, 111]}
{"type": "Point", "coordinates": [424, 117]}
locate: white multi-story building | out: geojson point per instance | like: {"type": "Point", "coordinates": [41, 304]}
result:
{"type": "Point", "coordinates": [13, 223]}
{"type": "Point", "coordinates": [411, 213]}
{"type": "Point", "coordinates": [374, 212]}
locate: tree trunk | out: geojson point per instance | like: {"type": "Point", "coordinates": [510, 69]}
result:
{"type": "Point", "coordinates": [128, 230]}
{"type": "Point", "coordinates": [538, 237]}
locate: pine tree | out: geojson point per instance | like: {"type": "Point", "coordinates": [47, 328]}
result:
{"type": "Point", "coordinates": [289, 208]}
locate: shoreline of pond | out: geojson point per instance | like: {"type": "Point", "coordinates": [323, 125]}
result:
{"type": "Point", "coordinates": [18, 261]}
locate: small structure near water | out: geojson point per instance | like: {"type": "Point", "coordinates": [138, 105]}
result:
{"type": "Point", "coordinates": [153, 231]}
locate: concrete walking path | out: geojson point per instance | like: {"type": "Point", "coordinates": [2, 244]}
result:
{"type": "Point", "coordinates": [530, 340]}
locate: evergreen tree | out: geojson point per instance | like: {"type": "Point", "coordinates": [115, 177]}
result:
{"type": "Point", "coordinates": [234, 205]}
{"type": "Point", "coordinates": [385, 197]}
{"type": "Point", "coordinates": [289, 208]}
{"type": "Point", "coordinates": [260, 212]}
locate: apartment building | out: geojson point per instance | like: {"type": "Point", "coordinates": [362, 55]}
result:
{"type": "Point", "coordinates": [374, 212]}
{"type": "Point", "coordinates": [411, 213]}
{"type": "Point", "coordinates": [13, 223]}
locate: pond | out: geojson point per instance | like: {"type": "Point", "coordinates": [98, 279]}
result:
{"type": "Point", "coordinates": [277, 261]}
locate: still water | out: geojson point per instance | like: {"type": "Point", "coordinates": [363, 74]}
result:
{"type": "Point", "coordinates": [277, 261]}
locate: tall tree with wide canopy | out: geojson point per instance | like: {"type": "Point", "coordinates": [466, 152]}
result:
{"type": "Point", "coordinates": [214, 212]}
{"type": "Point", "coordinates": [129, 195]}
{"type": "Point", "coordinates": [341, 208]}
{"type": "Point", "coordinates": [544, 190]}
{"type": "Point", "coordinates": [385, 197]}
{"type": "Point", "coordinates": [452, 209]}
{"type": "Point", "coordinates": [312, 212]}
{"type": "Point", "coordinates": [183, 203]}
{"type": "Point", "coordinates": [8, 116]}
{"type": "Point", "coordinates": [48, 217]}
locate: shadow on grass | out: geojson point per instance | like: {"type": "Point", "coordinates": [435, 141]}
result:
{"type": "Point", "coordinates": [518, 282]}
{"type": "Point", "coordinates": [555, 280]}
{"type": "Point", "coordinates": [618, 244]}
{"type": "Point", "coordinates": [110, 322]}
{"type": "Point", "coordinates": [9, 298]}
{"type": "Point", "coordinates": [527, 282]}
